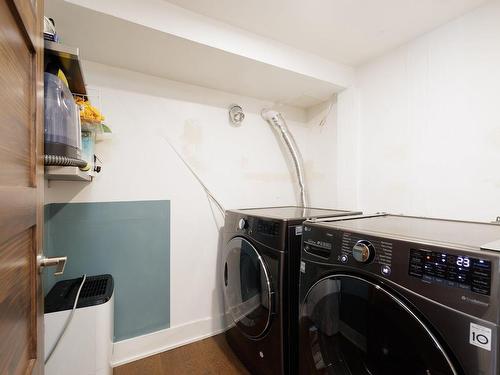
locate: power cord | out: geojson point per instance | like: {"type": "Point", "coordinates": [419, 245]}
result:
{"type": "Point", "coordinates": [220, 207]}
{"type": "Point", "coordinates": [68, 321]}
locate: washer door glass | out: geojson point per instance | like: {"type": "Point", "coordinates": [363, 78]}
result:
{"type": "Point", "coordinates": [349, 325]}
{"type": "Point", "coordinates": [247, 288]}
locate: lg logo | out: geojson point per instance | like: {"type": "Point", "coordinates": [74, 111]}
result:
{"type": "Point", "coordinates": [480, 336]}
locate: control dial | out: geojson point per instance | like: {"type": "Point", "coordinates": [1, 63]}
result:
{"type": "Point", "coordinates": [363, 251]}
{"type": "Point", "coordinates": [242, 224]}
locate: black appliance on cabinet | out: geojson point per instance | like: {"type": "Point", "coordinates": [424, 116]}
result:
{"type": "Point", "coordinates": [399, 295]}
{"type": "Point", "coordinates": [260, 264]}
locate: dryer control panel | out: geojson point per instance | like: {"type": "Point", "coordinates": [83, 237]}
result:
{"type": "Point", "coordinates": [383, 256]}
{"type": "Point", "coordinates": [387, 248]}
{"type": "Point", "coordinates": [349, 249]}
{"type": "Point", "coordinates": [269, 232]}
{"type": "Point", "coordinates": [457, 271]}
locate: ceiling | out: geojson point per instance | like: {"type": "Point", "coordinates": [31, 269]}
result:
{"type": "Point", "coordinates": [346, 31]}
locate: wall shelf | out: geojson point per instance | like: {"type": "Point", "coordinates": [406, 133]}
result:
{"type": "Point", "coordinates": [69, 59]}
{"type": "Point", "coordinates": [273, 72]}
{"type": "Point", "coordinates": [66, 174]}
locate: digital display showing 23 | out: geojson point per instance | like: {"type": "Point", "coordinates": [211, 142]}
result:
{"type": "Point", "coordinates": [451, 270]}
{"type": "Point", "coordinates": [463, 262]}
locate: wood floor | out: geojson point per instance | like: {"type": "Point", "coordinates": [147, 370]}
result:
{"type": "Point", "coordinates": [211, 356]}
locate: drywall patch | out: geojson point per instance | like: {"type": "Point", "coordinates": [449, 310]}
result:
{"type": "Point", "coordinates": [267, 177]}
{"type": "Point", "coordinates": [313, 173]}
{"type": "Point", "coordinates": [192, 133]}
{"type": "Point", "coordinates": [244, 162]}
{"type": "Point", "coordinates": [192, 142]}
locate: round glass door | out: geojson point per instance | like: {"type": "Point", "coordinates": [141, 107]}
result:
{"type": "Point", "coordinates": [349, 325]}
{"type": "Point", "coordinates": [247, 288]}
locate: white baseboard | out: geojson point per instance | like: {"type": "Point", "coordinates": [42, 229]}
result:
{"type": "Point", "coordinates": [156, 342]}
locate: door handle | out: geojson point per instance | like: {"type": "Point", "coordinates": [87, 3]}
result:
{"type": "Point", "coordinates": [59, 262]}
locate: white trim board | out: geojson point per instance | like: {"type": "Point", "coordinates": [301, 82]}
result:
{"type": "Point", "coordinates": [130, 350]}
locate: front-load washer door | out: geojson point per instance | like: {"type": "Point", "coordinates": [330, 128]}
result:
{"type": "Point", "coordinates": [247, 288]}
{"type": "Point", "coordinates": [352, 326]}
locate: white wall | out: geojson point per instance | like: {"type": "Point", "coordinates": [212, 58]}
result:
{"type": "Point", "coordinates": [244, 167]}
{"type": "Point", "coordinates": [420, 132]}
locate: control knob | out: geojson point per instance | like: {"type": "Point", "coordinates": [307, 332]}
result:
{"type": "Point", "coordinates": [363, 251]}
{"type": "Point", "coordinates": [242, 224]}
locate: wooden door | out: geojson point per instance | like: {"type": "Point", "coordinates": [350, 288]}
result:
{"type": "Point", "coordinates": [21, 186]}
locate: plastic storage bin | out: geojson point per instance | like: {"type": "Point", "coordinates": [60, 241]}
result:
{"type": "Point", "coordinates": [62, 119]}
{"type": "Point", "coordinates": [88, 145]}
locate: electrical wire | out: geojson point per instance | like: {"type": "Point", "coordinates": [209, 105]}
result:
{"type": "Point", "coordinates": [68, 321]}
{"type": "Point", "coordinates": [220, 207]}
{"type": "Point", "coordinates": [325, 117]}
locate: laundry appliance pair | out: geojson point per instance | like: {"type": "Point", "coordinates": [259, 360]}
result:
{"type": "Point", "coordinates": [379, 294]}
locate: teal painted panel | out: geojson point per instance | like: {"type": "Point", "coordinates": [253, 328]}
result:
{"type": "Point", "coordinates": [129, 240]}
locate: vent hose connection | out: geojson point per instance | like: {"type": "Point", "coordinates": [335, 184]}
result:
{"type": "Point", "coordinates": [64, 161]}
{"type": "Point", "coordinates": [277, 122]}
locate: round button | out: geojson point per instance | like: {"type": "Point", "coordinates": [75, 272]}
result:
{"type": "Point", "coordinates": [386, 270]}
{"type": "Point", "coordinates": [344, 258]}
{"type": "Point", "coordinates": [242, 224]}
{"type": "Point", "coordinates": [363, 251]}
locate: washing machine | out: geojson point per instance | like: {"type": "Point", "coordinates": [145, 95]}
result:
{"type": "Point", "coordinates": [395, 295]}
{"type": "Point", "coordinates": [260, 265]}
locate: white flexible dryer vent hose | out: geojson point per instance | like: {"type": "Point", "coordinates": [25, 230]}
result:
{"type": "Point", "coordinates": [276, 120]}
